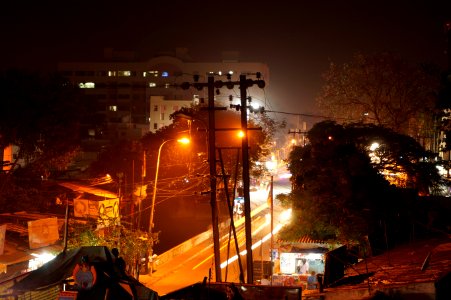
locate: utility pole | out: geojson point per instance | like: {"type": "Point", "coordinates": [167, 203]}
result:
{"type": "Point", "coordinates": [243, 83]}
{"type": "Point", "coordinates": [447, 27]}
{"type": "Point", "coordinates": [246, 181]}
{"type": "Point", "coordinates": [212, 163]}
{"type": "Point", "coordinates": [272, 226]}
{"type": "Point", "coordinates": [302, 132]}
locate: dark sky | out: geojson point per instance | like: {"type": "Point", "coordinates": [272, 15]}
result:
{"type": "Point", "coordinates": [297, 39]}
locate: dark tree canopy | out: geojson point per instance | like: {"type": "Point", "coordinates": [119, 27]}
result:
{"type": "Point", "coordinates": [381, 89]}
{"type": "Point", "coordinates": [335, 187]}
{"type": "Point", "coordinates": [40, 115]}
{"type": "Point", "coordinates": [339, 191]}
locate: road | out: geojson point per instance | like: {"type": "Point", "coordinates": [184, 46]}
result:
{"type": "Point", "coordinates": [193, 265]}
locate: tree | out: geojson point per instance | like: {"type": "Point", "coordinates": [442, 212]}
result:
{"type": "Point", "coordinates": [40, 115]}
{"type": "Point", "coordinates": [339, 191]}
{"type": "Point", "coordinates": [335, 187]}
{"type": "Point", "coordinates": [444, 104]}
{"type": "Point", "coordinates": [381, 89]}
{"type": "Point", "coordinates": [132, 244]}
{"type": "Point", "coordinates": [395, 153]}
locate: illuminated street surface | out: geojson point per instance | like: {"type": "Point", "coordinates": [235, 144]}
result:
{"type": "Point", "coordinates": [198, 262]}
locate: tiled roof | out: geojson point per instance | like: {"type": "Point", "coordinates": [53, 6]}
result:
{"type": "Point", "coordinates": [421, 261]}
{"type": "Point", "coordinates": [302, 240]}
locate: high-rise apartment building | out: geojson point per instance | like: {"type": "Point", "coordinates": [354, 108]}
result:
{"type": "Point", "coordinates": [130, 98]}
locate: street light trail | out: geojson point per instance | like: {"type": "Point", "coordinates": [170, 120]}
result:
{"type": "Point", "coordinates": [284, 218]}
{"type": "Point", "coordinates": [238, 222]}
{"type": "Point", "coordinates": [256, 245]}
{"type": "Point", "coordinates": [240, 236]}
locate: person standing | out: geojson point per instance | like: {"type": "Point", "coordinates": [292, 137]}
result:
{"type": "Point", "coordinates": [305, 266]}
{"type": "Point", "coordinates": [119, 262]}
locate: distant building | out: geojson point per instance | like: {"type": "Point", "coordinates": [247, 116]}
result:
{"type": "Point", "coordinates": [132, 98]}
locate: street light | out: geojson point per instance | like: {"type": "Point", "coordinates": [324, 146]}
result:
{"type": "Point", "coordinates": [183, 141]}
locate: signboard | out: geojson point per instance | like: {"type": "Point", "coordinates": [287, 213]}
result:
{"type": "Point", "coordinates": [288, 263]}
{"type": "Point", "coordinates": [108, 208]}
{"type": "Point", "coordinates": [42, 232]}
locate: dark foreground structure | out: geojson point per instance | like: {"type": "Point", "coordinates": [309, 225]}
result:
{"type": "Point", "coordinates": [52, 280]}
{"type": "Point", "coordinates": [233, 291]}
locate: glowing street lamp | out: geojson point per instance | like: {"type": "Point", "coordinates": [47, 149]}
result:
{"type": "Point", "coordinates": [152, 209]}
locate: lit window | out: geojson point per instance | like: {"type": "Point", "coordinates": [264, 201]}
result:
{"type": "Point", "coordinates": [144, 74]}
{"type": "Point", "coordinates": [220, 73]}
{"type": "Point", "coordinates": [111, 73]}
{"type": "Point", "coordinates": [124, 73]}
{"type": "Point", "coordinates": [153, 73]}
{"type": "Point", "coordinates": [152, 84]}
{"type": "Point", "coordinates": [164, 74]}
{"type": "Point", "coordinates": [86, 85]}
{"type": "Point", "coordinates": [167, 85]}
{"type": "Point", "coordinates": [112, 108]}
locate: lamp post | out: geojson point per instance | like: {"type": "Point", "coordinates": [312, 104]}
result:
{"type": "Point", "coordinates": [152, 209]}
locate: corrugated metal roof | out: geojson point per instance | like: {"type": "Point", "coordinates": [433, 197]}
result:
{"type": "Point", "coordinates": [89, 189]}
{"type": "Point", "coordinates": [302, 240]}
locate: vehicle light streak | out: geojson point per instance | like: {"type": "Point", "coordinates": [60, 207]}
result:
{"type": "Point", "coordinates": [237, 223]}
{"type": "Point", "coordinates": [240, 236]}
{"type": "Point", "coordinates": [255, 245]}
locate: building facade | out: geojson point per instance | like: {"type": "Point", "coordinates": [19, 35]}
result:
{"type": "Point", "coordinates": [131, 98]}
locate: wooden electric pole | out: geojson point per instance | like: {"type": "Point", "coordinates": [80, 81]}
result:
{"type": "Point", "coordinates": [212, 164]}
{"type": "Point", "coordinates": [246, 181]}
{"type": "Point", "coordinates": [212, 85]}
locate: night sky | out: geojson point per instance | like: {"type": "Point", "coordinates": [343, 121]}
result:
{"type": "Point", "coordinates": [297, 39]}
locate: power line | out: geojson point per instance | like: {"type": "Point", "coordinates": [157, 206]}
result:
{"type": "Point", "coordinates": [298, 114]}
